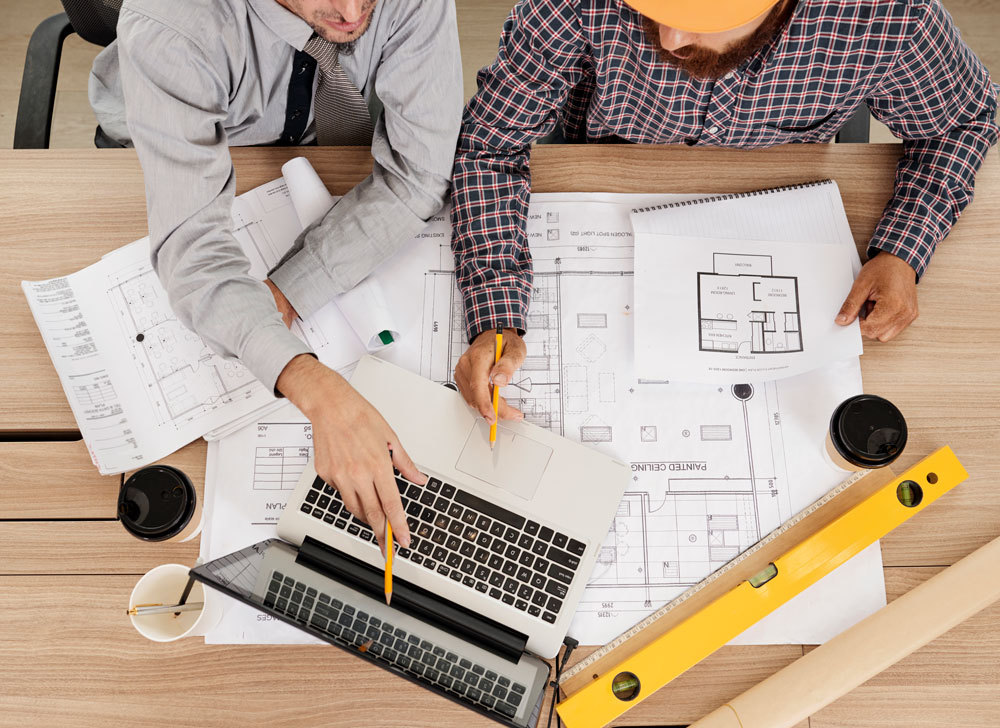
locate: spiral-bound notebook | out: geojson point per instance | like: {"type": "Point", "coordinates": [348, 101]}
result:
{"type": "Point", "coordinates": [809, 212]}
{"type": "Point", "coordinates": [743, 287]}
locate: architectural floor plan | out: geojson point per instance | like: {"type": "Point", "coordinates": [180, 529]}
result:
{"type": "Point", "coordinates": [182, 378]}
{"type": "Point", "coordinates": [743, 306]}
{"type": "Point", "coordinates": [715, 310]}
{"type": "Point", "coordinates": [708, 471]}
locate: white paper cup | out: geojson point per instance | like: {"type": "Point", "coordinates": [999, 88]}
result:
{"type": "Point", "coordinates": [164, 585]}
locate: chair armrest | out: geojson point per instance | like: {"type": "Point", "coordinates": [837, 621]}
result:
{"type": "Point", "coordinates": [38, 84]}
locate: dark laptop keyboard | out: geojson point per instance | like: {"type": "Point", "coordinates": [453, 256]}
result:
{"type": "Point", "coordinates": [472, 541]}
{"type": "Point", "coordinates": [393, 645]}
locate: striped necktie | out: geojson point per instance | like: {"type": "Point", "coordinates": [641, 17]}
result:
{"type": "Point", "coordinates": [341, 112]}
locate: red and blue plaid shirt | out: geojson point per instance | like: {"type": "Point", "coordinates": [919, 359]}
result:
{"type": "Point", "coordinates": [589, 64]}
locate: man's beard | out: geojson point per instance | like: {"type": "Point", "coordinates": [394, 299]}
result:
{"type": "Point", "coordinates": [706, 64]}
{"type": "Point", "coordinates": [346, 49]}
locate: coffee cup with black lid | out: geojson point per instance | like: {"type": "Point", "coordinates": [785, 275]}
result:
{"type": "Point", "coordinates": [866, 432]}
{"type": "Point", "coordinates": [159, 503]}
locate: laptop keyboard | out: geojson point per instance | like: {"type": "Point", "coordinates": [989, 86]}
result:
{"type": "Point", "coordinates": [393, 645]}
{"type": "Point", "coordinates": [471, 541]}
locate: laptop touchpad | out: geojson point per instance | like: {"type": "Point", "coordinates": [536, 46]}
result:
{"type": "Point", "coordinates": [516, 464]}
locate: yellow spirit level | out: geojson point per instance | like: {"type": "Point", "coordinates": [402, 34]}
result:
{"type": "Point", "coordinates": [854, 515]}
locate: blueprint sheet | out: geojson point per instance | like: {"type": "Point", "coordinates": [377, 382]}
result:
{"type": "Point", "coordinates": [743, 287]}
{"type": "Point", "coordinates": [140, 384]}
{"type": "Point", "coordinates": [714, 467]}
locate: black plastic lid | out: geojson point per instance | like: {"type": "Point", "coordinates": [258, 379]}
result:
{"type": "Point", "coordinates": [156, 503]}
{"type": "Point", "coordinates": [868, 431]}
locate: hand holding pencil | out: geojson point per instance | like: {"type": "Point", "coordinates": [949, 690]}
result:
{"type": "Point", "coordinates": [479, 369]}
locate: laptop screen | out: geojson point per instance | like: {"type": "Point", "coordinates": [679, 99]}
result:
{"type": "Point", "coordinates": [271, 576]}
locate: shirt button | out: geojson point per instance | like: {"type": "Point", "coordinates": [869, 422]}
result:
{"type": "Point", "coordinates": [714, 130]}
{"type": "Point", "coordinates": [730, 75]}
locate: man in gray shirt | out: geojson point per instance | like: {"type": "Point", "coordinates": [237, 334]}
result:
{"type": "Point", "coordinates": [186, 80]}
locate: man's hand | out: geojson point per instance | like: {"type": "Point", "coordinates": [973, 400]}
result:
{"type": "Point", "coordinates": [355, 449]}
{"type": "Point", "coordinates": [886, 290]}
{"type": "Point", "coordinates": [284, 307]}
{"type": "Point", "coordinates": [475, 372]}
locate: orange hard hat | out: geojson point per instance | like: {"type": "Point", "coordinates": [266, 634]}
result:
{"type": "Point", "coordinates": [702, 16]}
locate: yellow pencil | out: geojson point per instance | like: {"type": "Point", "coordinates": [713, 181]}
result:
{"type": "Point", "coordinates": [496, 391]}
{"type": "Point", "coordinates": [388, 561]}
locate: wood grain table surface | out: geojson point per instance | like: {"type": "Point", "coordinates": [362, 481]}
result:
{"type": "Point", "coordinates": [68, 654]}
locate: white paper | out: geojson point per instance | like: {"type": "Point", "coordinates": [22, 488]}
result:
{"type": "Point", "coordinates": [363, 306]}
{"type": "Point", "coordinates": [803, 213]}
{"type": "Point", "coordinates": [140, 384]}
{"type": "Point", "coordinates": [310, 197]}
{"type": "Point", "coordinates": [758, 453]}
{"type": "Point", "coordinates": [729, 311]}
{"type": "Point", "coordinates": [248, 478]}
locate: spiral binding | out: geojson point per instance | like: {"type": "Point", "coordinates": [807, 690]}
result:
{"type": "Point", "coordinates": [733, 196]}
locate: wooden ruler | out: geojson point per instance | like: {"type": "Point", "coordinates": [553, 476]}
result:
{"type": "Point", "coordinates": [806, 548]}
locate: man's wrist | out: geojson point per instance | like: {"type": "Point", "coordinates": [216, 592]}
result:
{"type": "Point", "coordinates": [285, 308]}
{"type": "Point", "coordinates": [297, 381]}
{"type": "Point", "coordinates": [894, 260]}
{"type": "Point", "coordinates": [491, 330]}
{"type": "Point", "coordinates": [916, 258]}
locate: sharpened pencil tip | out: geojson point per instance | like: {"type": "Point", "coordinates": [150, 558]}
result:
{"type": "Point", "coordinates": [388, 598]}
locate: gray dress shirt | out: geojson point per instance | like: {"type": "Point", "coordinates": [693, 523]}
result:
{"type": "Point", "coordinates": [185, 80]}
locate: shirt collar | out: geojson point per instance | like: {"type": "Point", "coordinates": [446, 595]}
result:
{"type": "Point", "coordinates": [284, 23]}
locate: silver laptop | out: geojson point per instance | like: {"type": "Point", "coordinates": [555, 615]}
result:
{"type": "Point", "coordinates": [511, 534]}
{"type": "Point", "coordinates": [503, 542]}
{"type": "Point", "coordinates": [482, 665]}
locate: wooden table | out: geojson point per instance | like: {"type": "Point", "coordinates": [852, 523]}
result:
{"type": "Point", "coordinates": [69, 655]}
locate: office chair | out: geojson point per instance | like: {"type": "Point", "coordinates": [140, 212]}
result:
{"type": "Point", "coordinates": [92, 20]}
{"type": "Point", "coordinates": [857, 128]}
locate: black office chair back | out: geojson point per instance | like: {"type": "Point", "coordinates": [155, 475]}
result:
{"type": "Point", "coordinates": [94, 20]}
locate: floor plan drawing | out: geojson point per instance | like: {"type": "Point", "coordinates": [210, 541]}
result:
{"type": "Point", "coordinates": [182, 378]}
{"type": "Point", "coordinates": [708, 472]}
{"type": "Point", "coordinates": [702, 494]}
{"type": "Point", "coordinates": [743, 306]}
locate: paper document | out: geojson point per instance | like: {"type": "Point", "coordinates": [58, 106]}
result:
{"type": "Point", "coordinates": [248, 478]}
{"type": "Point", "coordinates": [140, 384]}
{"type": "Point", "coordinates": [731, 311]}
{"type": "Point", "coordinates": [714, 467]}
{"type": "Point", "coordinates": [310, 197]}
{"type": "Point", "coordinates": [737, 310]}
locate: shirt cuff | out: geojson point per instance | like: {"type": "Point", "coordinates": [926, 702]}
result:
{"type": "Point", "coordinates": [487, 308]}
{"type": "Point", "coordinates": [268, 350]}
{"type": "Point", "coordinates": [905, 239]}
{"type": "Point", "coordinates": [305, 282]}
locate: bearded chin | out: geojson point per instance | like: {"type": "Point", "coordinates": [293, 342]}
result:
{"type": "Point", "coordinates": [705, 64]}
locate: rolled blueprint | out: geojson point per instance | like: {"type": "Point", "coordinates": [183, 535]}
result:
{"type": "Point", "coordinates": [364, 306]}
{"type": "Point", "coordinates": [309, 195]}
{"type": "Point", "coordinates": [835, 668]}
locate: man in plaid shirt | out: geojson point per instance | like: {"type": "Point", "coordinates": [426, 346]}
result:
{"type": "Point", "coordinates": [734, 73]}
